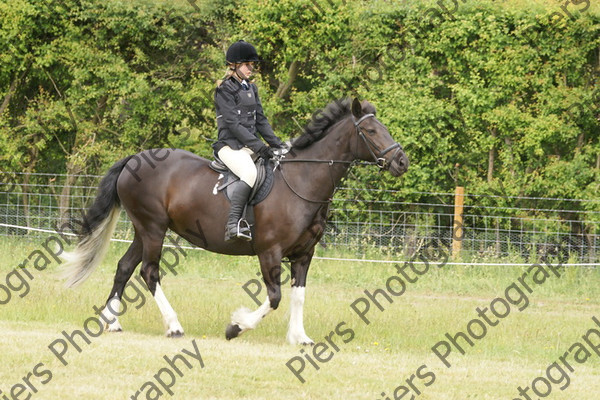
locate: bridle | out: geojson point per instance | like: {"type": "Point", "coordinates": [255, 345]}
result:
{"type": "Point", "coordinates": [380, 161]}
{"type": "Point", "coordinates": [377, 154]}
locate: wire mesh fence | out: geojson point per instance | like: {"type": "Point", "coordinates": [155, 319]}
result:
{"type": "Point", "coordinates": [360, 222]}
{"type": "Point", "coordinates": [490, 228]}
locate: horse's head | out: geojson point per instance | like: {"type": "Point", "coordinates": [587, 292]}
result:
{"type": "Point", "coordinates": [377, 144]}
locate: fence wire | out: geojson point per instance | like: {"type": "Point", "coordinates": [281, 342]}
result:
{"type": "Point", "coordinates": [361, 222]}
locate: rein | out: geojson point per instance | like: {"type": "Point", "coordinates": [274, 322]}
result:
{"type": "Point", "coordinates": [379, 160]}
{"type": "Point", "coordinates": [329, 162]}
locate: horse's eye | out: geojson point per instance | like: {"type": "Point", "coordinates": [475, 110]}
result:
{"type": "Point", "coordinates": [371, 131]}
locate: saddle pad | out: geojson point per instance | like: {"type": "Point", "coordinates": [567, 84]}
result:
{"type": "Point", "coordinates": [262, 188]}
{"type": "Point", "coordinates": [264, 183]}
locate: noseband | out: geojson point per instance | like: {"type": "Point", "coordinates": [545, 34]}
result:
{"type": "Point", "coordinates": [380, 161]}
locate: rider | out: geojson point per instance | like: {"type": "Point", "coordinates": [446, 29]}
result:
{"type": "Point", "coordinates": [240, 119]}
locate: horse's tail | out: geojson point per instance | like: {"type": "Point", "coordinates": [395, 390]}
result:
{"type": "Point", "coordinates": [97, 228]}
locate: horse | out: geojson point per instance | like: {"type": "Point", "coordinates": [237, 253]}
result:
{"type": "Point", "coordinates": [174, 189]}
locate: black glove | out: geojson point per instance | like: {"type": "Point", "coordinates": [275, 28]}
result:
{"type": "Point", "coordinates": [266, 152]}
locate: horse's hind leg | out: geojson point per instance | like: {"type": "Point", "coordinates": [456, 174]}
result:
{"type": "Point", "coordinates": [126, 266]}
{"type": "Point", "coordinates": [151, 274]}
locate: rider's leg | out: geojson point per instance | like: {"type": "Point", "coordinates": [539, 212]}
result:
{"type": "Point", "coordinates": [241, 164]}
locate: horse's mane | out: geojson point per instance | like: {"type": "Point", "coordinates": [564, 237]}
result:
{"type": "Point", "coordinates": [321, 121]}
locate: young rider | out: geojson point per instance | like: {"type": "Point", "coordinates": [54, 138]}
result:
{"type": "Point", "coordinates": [240, 120]}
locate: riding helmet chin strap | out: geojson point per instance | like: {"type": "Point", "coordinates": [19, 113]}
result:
{"type": "Point", "coordinates": [239, 73]}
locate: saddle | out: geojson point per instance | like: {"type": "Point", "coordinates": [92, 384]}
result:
{"type": "Point", "coordinates": [227, 180]}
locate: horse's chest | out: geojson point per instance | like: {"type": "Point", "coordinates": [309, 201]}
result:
{"type": "Point", "coordinates": [313, 233]}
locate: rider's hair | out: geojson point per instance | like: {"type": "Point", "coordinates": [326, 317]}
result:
{"type": "Point", "coordinates": [230, 71]}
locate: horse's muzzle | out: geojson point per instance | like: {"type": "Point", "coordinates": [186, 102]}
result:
{"type": "Point", "coordinates": [399, 164]}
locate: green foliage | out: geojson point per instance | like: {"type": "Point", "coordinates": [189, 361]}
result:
{"type": "Point", "coordinates": [500, 97]}
{"type": "Point", "coordinates": [93, 81]}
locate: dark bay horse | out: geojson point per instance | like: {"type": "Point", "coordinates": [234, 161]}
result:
{"type": "Point", "coordinates": [175, 190]}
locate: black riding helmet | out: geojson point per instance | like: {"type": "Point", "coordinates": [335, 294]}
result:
{"type": "Point", "coordinates": [240, 52]}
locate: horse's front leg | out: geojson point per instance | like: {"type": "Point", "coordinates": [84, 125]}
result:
{"type": "Point", "coordinates": [299, 270]}
{"type": "Point", "coordinates": [243, 319]}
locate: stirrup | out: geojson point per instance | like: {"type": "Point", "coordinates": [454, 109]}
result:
{"type": "Point", "coordinates": [243, 230]}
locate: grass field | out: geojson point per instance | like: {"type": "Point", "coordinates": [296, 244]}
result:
{"type": "Point", "coordinates": [395, 347]}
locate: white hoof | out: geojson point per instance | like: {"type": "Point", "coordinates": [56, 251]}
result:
{"type": "Point", "coordinates": [114, 327]}
{"type": "Point", "coordinates": [299, 338]}
{"type": "Point", "coordinates": [175, 330]}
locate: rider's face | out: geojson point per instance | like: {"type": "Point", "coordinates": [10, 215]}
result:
{"type": "Point", "coordinates": [246, 69]}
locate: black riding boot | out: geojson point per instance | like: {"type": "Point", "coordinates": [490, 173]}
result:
{"type": "Point", "coordinates": [239, 198]}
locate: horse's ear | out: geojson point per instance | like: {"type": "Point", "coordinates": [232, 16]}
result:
{"type": "Point", "coordinates": [357, 108]}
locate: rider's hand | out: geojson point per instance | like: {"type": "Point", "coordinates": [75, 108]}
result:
{"type": "Point", "coordinates": [266, 152]}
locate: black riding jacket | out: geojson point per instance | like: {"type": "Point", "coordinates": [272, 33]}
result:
{"type": "Point", "coordinates": [240, 118]}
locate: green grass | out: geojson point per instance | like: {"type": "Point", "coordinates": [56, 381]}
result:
{"type": "Point", "coordinates": [379, 358]}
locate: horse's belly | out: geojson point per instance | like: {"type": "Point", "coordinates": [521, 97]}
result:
{"type": "Point", "coordinates": [203, 225]}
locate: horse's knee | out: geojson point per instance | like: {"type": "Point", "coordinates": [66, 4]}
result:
{"type": "Point", "coordinates": [274, 297]}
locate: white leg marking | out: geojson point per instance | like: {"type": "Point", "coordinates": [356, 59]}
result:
{"type": "Point", "coordinates": [246, 319]}
{"type": "Point", "coordinates": [109, 313]}
{"type": "Point", "coordinates": [296, 334]}
{"type": "Point", "coordinates": [169, 316]}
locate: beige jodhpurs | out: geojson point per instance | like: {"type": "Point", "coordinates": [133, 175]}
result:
{"type": "Point", "coordinates": [240, 163]}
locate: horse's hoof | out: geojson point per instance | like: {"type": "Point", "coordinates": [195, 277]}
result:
{"type": "Point", "coordinates": [232, 331]}
{"type": "Point", "coordinates": [113, 330]}
{"type": "Point", "coordinates": [300, 339]}
{"type": "Point", "coordinates": [116, 327]}
{"type": "Point", "coordinates": [175, 334]}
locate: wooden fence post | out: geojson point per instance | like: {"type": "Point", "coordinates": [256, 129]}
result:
{"type": "Point", "coordinates": [458, 225]}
